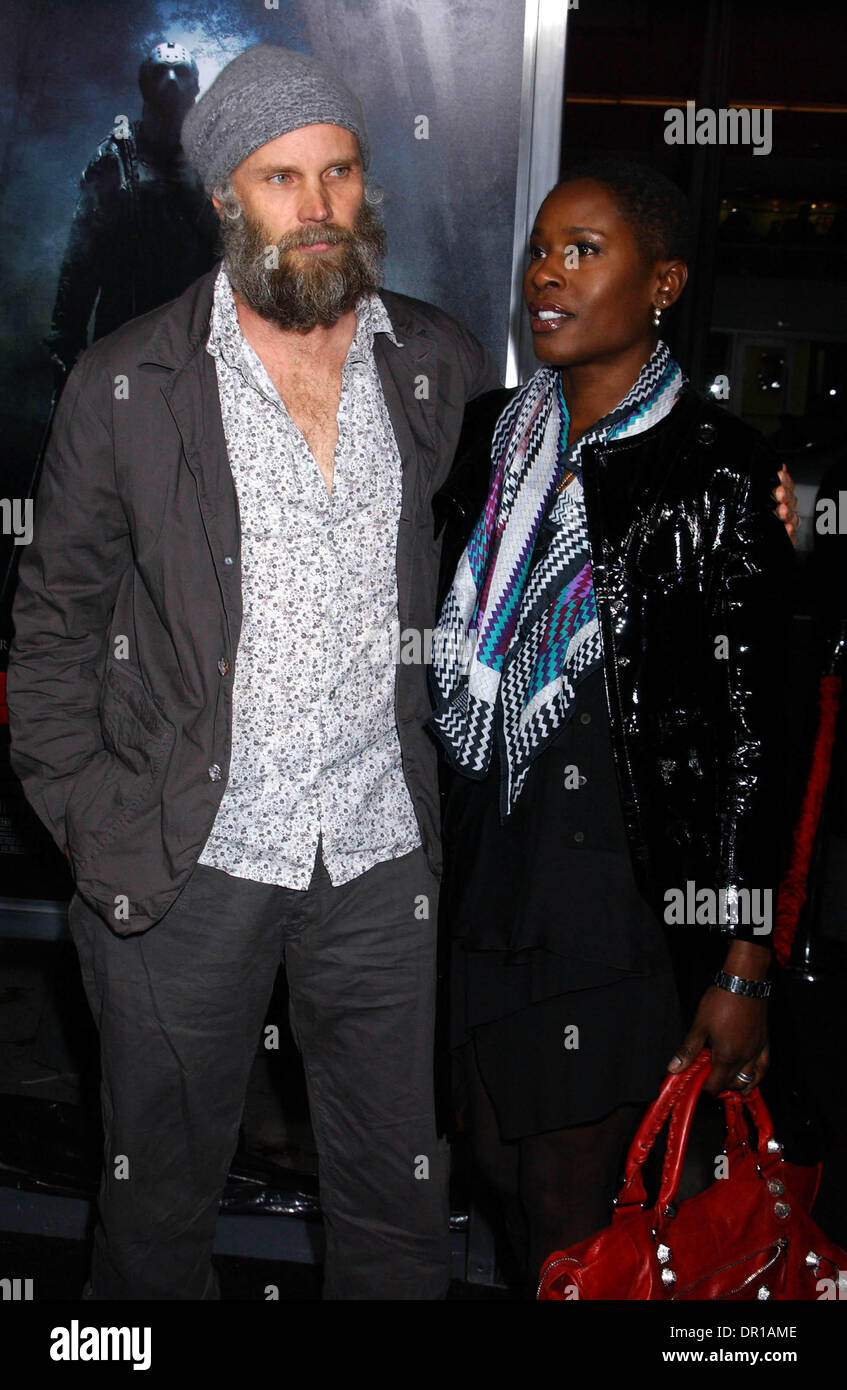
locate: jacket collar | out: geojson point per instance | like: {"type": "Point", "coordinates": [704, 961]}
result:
{"type": "Point", "coordinates": [183, 324]}
{"type": "Point", "coordinates": [687, 411]}
{"type": "Point", "coordinates": [409, 376]}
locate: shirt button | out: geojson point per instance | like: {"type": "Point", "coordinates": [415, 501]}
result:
{"type": "Point", "coordinates": [227, 559]}
{"type": "Point", "coordinates": [585, 719]}
{"type": "Point", "coordinates": [214, 773]}
{"type": "Point", "coordinates": [332, 695]}
{"type": "Point", "coordinates": [223, 666]}
{"type": "Point", "coordinates": [330, 535]}
{"type": "Point", "coordinates": [579, 836]}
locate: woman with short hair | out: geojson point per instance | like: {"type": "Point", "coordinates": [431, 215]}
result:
{"type": "Point", "coordinates": [606, 676]}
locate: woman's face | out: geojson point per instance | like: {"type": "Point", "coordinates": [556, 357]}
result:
{"type": "Point", "coordinates": [589, 289]}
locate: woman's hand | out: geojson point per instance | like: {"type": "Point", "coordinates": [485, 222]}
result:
{"type": "Point", "coordinates": [786, 499]}
{"type": "Point", "coordinates": [735, 1028]}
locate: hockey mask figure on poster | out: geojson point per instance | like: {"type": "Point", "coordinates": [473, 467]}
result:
{"type": "Point", "coordinates": [143, 228]}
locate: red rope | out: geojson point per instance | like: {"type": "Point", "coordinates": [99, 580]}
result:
{"type": "Point", "coordinates": [794, 886]}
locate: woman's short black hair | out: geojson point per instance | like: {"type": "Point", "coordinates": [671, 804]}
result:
{"type": "Point", "coordinates": [653, 206]}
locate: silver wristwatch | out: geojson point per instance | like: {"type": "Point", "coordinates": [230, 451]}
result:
{"type": "Point", "coordinates": [736, 984]}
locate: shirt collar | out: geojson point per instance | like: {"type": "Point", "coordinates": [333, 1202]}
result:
{"type": "Point", "coordinates": [226, 339]}
{"type": "Point", "coordinates": [225, 336]}
{"type": "Point", "coordinates": [371, 318]}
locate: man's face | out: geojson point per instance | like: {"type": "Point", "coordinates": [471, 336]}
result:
{"type": "Point", "coordinates": [306, 245]}
{"type": "Point", "coordinates": [301, 181]}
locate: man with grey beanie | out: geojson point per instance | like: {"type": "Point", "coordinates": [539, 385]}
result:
{"type": "Point", "coordinates": [208, 708]}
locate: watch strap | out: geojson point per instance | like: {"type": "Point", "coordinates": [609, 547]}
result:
{"type": "Point", "coordinates": [737, 984]}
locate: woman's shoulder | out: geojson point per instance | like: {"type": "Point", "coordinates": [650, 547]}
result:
{"type": "Point", "coordinates": [466, 487]}
{"type": "Point", "coordinates": [460, 499]}
{"type": "Point", "coordinates": [481, 416]}
{"type": "Point", "coordinates": [713, 450]}
{"type": "Point", "coordinates": [473, 453]}
{"type": "Point", "coordinates": [710, 424]}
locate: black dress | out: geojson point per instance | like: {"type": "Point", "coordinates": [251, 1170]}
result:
{"type": "Point", "coordinates": [560, 970]}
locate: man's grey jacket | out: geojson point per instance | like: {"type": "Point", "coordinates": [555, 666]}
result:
{"type": "Point", "coordinates": [128, 608]}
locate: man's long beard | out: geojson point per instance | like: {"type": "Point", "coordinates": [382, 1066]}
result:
{"type": "Point", "coordinates": [303, 291]}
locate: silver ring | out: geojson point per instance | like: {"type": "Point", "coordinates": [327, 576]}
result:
{"type": "Point", "coordinates": [742, 1076]}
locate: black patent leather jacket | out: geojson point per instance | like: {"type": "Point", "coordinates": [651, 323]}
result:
{"type": "Point", "coordinates": [691, 574]}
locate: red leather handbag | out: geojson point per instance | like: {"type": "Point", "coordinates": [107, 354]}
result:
{"type": "Point", "coordinates": [747, 1236]}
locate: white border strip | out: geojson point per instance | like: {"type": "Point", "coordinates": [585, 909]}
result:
{"type": "Point", "coordinates": [539, 151]}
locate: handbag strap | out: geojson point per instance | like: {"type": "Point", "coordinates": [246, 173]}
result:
{"type": "Point", "coordinates": [633, 1192]}
{"type": "Point", "coordinates": [734, 1107]}
{"type": "Point", "coordinates": [677, 1102]}
{"type": "Point", "coordinates": [679, 1129]}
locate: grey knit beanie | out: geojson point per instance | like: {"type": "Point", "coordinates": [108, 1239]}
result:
{"type": "Point", "coordinates": [265, 92]}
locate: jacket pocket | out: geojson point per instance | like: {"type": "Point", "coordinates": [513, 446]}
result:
{"type": "Point", "coordinates": [110, 788]}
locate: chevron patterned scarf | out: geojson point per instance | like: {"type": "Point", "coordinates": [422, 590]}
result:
{"type": "Point", "coordinates": [516, 638]}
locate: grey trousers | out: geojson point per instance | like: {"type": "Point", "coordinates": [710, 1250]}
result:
{"type": "Point", "coordinates": [179, 1010]}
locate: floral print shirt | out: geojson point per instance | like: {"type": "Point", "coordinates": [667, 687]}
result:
{"type": "Point", "coordinates": [315, 749]}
